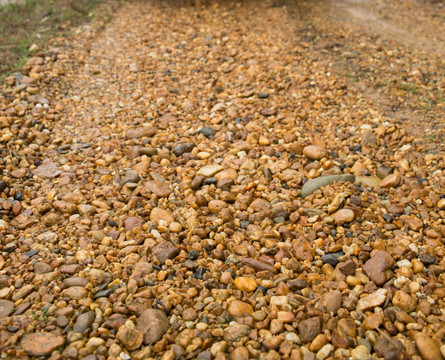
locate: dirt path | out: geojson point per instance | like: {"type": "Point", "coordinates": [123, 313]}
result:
{"type": "Point", "coordinates": [163, 189]}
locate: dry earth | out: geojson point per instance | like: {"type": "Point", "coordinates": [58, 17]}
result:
{"type": "Point", "coordinates": [229, 180]}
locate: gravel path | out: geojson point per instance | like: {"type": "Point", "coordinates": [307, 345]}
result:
{"type": "Point", "coordinates": [235, 180]}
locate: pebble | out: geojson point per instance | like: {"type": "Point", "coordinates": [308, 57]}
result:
{"type": "Point", "coordinates": [313, 185]}
{"type": "Point", "coordinates": [391, 181]}
{"type": "Point", "coordinates": [373, 300]}
{"type": "Point", "coordinates": [344, 216]}
{"type": "Point", "coordinates": [315, 152]}
{"type": "Point", "coordinates": [245, 284]}
{"type": "Point", "coordinates": [428, 348]}
{"type": "Point", "coordinates": [378, 268]}
{"type": "Point", "coordinates": [239, 308]}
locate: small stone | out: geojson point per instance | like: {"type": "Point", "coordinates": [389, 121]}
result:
{"type": "Point", "coordinates": [183, 149]}
{"type": "Point", "coordinates": [209, 170]}
{"type": "Point", "coordinates": [309, 329]}
{"type": "Point", "coordinates": [441, 204]}
{"type": "Point", "coordinates": [41, 344]}
{"type": "Point", "coordinates": [42, 268]}
{"type": "Point", "coordinates": [344, 216]}
{"type": "Point", "coordinates": [390, 181]}
{"type": "Point", "coordinates": [373, 300]}
{"type": "Point", "coordinates": [133, 222]}
{"type": "Point", "coordinates": [239, 308]}
{"type": "Point", "coordinates": [361, 352]}
{"type": "Point", "coordinates": [165, 250]}
{"type": "Point", "coordinates": [153, 324]}
{"type": "Point", "coordinates": [315, 152]}
{"type": "Point", "coordinates": [347, 267]}
{"type": "Point", "coordinates": [207, 132]}
{"type": "Point", "coordinates": [6, 308]}
{"type": "Point", "coordinates": [236, 331]}
{"type": "Point", "coordinates": [130, 337]}
{"type": "Point", "coordinates": [404, 301]}
{"type": "Point", "coordinates": [332, 258]}
{"type": "Point", "coordinates": [388, 348]}
{"type": "Point", "coordinates": [158, 214]}
{"type": "Point", "coordinates": [369, 138]}
{"type": "Point", "coordinates": [332, 300]}
{"type": "Point", "coordinates": [140, 133]}
{"type": "Point", "coordinates": [263, 141]}
{"type": "Point", "coordinates": [324, 352]}
{"type": "Point", "coordinates": [23, 292]}
{"type": "Point", "coordinates": [378, 268]}
{"type": "Point", "coordinates": [245, 284]}
{"type": "Point", "coordinates": [76, 292]}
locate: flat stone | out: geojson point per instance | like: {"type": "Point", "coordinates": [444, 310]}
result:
{"type": "Point", "coordinates": [76, 292]}
{"type": "Point", "coordinates": [158, 214]}
{"type": "Point", "coordinates": [209, 170]}
{"type": "Point", "coordinates": [133, 222]}
{"type": "Point", "coordinates": [139, 133]}
{"type": "Point", "coordinates": [47, 170]}
{"type": "Point", "coordinates": [42, 268]}
{"type": "Point", "coordinates": [390, 181]}
{"type": "Point", "coordinates": [373, 300]}
{"type": "Point", "coordinates": [84, 321]}
{"type": "Point", "coordinates": [41, 344]}
{"type": "Point", "coordinates": [155, 187]}
{"type": "Point", "coordinates": [182, 149]}
{"type": "Point", "coordinates": [313, 185]}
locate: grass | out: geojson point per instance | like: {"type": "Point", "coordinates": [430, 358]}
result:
{"type": "Point", "coordinates": [35, 21]}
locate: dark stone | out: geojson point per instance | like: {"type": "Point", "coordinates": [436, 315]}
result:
{"type": "Point", "coordinates": [84, 322]}
{"type": "Point", "coordinates": [207, 132]}
{"type": "Point", "coordinates": [263, 95]}
{"type": "Point", "coordinates": [31, 252]}
{"type": "Point", "coordinates": [332, 258]}
{"type": "Point", "coordinates": [103, 293]}
{"type": "Point", "coordinates": [427, 259]}
{"type": "Point", "coordinates": [309, 329]}
{"type": "Point", "coordinates": [183, 148]}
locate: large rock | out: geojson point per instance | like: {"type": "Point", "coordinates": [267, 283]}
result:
{"type": "Point", "coordinates": [378, 268]}
{"type": "Point", "coordinates": [313, 185]}
{"type": "Point", "coordinates": [47, 170]}
{"type": "Point", "coordinates": [155, 187]}
{"type": "Point", "coordinates": [153, 324]}
{"type": "Point", "coordinates": [41, 344]}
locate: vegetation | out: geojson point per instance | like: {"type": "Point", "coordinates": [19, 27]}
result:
{"type": "Point", "coordinates": [34, 21]}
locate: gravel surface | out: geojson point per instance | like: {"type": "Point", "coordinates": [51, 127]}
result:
{"type": "Point", "coordinates": [230, 180]}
